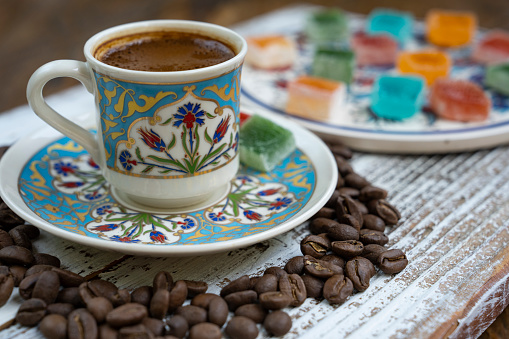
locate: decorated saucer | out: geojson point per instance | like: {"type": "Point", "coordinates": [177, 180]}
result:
{"type": "Point", "coordinates": [53, 183]}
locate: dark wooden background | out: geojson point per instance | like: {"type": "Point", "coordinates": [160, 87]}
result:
{"type": "Point", "coordinates": [34, 32]}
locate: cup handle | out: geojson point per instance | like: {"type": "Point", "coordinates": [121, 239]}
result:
{"type": "Point", "coordinates": [62, 68]}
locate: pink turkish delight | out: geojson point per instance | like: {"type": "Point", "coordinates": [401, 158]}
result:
{"type": "Point", "coordinates": [377, 50]}
{"type": "Point", "coordinates": [493, 48]}
{"type": "Point", "coordinates": [271, 52]}
{"type": "Point", "coordinates": [459, 100]}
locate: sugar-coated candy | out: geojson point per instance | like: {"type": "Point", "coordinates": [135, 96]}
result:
{"type": "Point", "coordinates": [497, 77]}
{"type": "Point", "coordinates": [430, 64]}
{"type": "Point", "coordinates": [374, 50]}
{"type": "Point", "coordinates": [493, 48]}
{"type": "Point", "coordinates": [450, 28]}
{"type": "Point", "coordinates": [271, 51]}
{"type": "Point", "coordinates": [327, 25]}
{"type": "Point", "coordinates": [459, 100]}
{"type": "Point", "coordinates": [397, 24]}
{"type": "Point", "coordinates": [315, 98]}
{"type": "Point", "coordinates": [397, 97]}
{"type": "Point", "coordinates": [264, 144]}
{"type": "Point", "coordinates": [332, 63]}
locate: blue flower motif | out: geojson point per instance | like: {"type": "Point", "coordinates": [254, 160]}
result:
{"type": "Point", "coordinates": [244, 178]}
{"type": "Point", "coordinates": [217, 216]}
{"type": "Point", "coordinates": [187, 223]}
{"type": "Point", "coordinates": [65, 168]}
{"type": "Point", "coordinates": [157, 236]}
{"type": "Point", "coordinates": [189, 114]}
{"type": "Point", "coordinates": [93, 196]}
{"type": "Point", "coordinates": [104, 210]}
{"type": "Point", "coordinates": [125, 160]}
{"type": "Point", "coordinates": [280, 203]}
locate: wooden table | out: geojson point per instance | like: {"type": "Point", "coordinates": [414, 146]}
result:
{"type": "Point", "coordinates": [454, 229]}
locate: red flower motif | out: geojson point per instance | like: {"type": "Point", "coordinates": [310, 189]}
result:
{"type": "Point", "coordinates": [105, 228]}
{"type": "Point", "coordinates": [267, 192]}
{"type": "Point", "coordinates": [252, 215]}
{"type": "Point", "coordinates": [72, 184]}
{"type": "Point", "coordinates": [157, 236]}
{"type": "Point", "coordinates": [152, 139]}
{"type": "Point", "coordinates": [221, 130]}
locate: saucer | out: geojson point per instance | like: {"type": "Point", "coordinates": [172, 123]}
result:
{"type": "Point", "coordinates": [53, 183]}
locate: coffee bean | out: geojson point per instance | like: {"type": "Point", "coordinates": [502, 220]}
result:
{"type": "Point", "coordinates": [277, 271]}
{"type": "Point", "coordinates": [20, 238]}
{"type": "Point", "coordinates": [70, 295]}
{"type": "Point", "coordinates": [178, 326]}
{"type": "Point", "coordinates": [293, 285]}
{"type": "Point", "coordinates": [362, 208]}
{"type": "Point", "coordinates": [102, 288]}
{"type": "Point", "coordinates": [203, 300]}
{"type": "Point", "coordinates": [99, 307]}
{"type": "Point", "coordinates": [350, 220]}
{"type": "Point", "coordinates": [266, 283]}
{"type": "Point", "coordinates": [372, 252]}
{"type": "Point", "coordinates": [340, 183]}
{"type": "Point", "coordinates": [46, 259]}
{"type": "Point", "coordinates": [37, 269]}
{"type": "Point", "coordinates": [68, 278]}
{"type": "Point", "coordinates": [344, 167]}
{"type": "Point", "coordinates": [275, 300]}
{"type": "Point", "coordinates": [254, 312]}
{"type": "Point", "coordinates": [30, 230]}
{"type": "Point", "coordinates": [241, 328]}
{"type": "Point", "coordinates": [277, 323]}
{"type": "Point", "coordinates": [331, 203]}
{"type": "Point", "coordinates": [337, 289]}
{"type": "Point", "coordinates": [195, 287]}
{"type": "Point", "coordinates": [325, 212]}
{"type": "Point", "coordinates": [205, 331]}
{"type": "Point", "coordinates": [6, 287]}
{"type": "Point", "coordinates": [341, 150]}
{"type": "Point", "coordinates": [54, 326]}
{"type": "Point", "coordinates": [26, 286]}
{"type": "Point", "coordinates": [349, 192]}
{"type": "Point", "coordinates": [295, 265]}
{"type": "Point", "coordinates": [334, 259]}
{"type": "Point", "coordinates": [237, 299]}
{"type": "Point", "coordinates": [5, 239]}
{"type": "Point", "coordinates": [346, 205]}
{"type": "Point", "coordinates": [314, 286]}
{"type": "Point", "coordinates": [162, 280]}
{"type": "Point", "coordinates": [347, 248]}
{"type": "Point", "coordinates": [155, 326]}
{"type": "Point", "coordinates": [252, 281]}
{"type": "Point", "coordinates": [321, 225]}
{"type": "Point", "coordinates": [18, 273]}
{"type": "Point", "coordinates": [16, 255]}
{"type": "Point", "coordinates": [159, 303]}
{"type": "Point", "coordinates": [81, 325]}
{"type": "Point", "coordinates": [62, 309]}
{"type": "Point", "coordinates": [31, 312]}
{"type": "Point", "coordinates": [367, 236]}
{"type": "Point", "coordinates": [126, 315]}
{"type": "Point", "coordinates": [356, 181]}
{"type": "Point", "coordinates": [240, 284]}
{"type": "Point", "coordinates": [320, 269]}
{"type": "Point", "coordinates": [218, 311]}
{"type": "Point", "coordinates": [373, 222]}
{"type": "Point", "coordinates": [384, 210]}
{"type": "Point", "coordinates": [47, 287]}
{"type": "Point", "coordinates": [142, 295]}
{"type": "Point", "coordinates": [314, 246]}
{"type": "Point", "coordinates": [359, 270]}
{"type": "Point", "coordinates": [343, 232]}
{"type": "Point", "coordinates": [107, 332]}
{"type": "Point", "coordinates": [121, 297]}
{"type": "Point", "coordinates": [178, 295]}
{"type": "Point", "coordinates": [9, 219]}
{"type": "Point", "coordinates": [193, 314]}
{"type": "Point", "coordinates": [138, 331]}
{"type": "Point", "coordinates": [372, 193]}
{"type": "Point", "coordinates": [392, 261]}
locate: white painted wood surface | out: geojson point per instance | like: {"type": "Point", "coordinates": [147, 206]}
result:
{"type": "Point", "coordinates": [454, 229]}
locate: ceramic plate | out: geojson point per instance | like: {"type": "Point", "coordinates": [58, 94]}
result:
{"type": "Point", "coordinates": [362, 130]}
{"type": "Point", "coordinates": [53, 183]}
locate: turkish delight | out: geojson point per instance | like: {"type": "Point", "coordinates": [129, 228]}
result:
{"type": "Point", "coordinates": [264, 144]}
{"type": "Point", "coordinates": [374, 50]}
{"type": "Point", "coordinates": [315, 98]}
{"type": "Point", "coordinates": [450, 28]}
{"type": "Point", "coordinates": [497, 77]}
{"type": "Point", "coordinates": [459, 100]}
{"type": "Point", "coordinates": [332, 63]}
{"type": "Point", "coordinates": [430, 64]}
{"type": "Point", "coordinates": [397, 24]}
{"type": "Point", "coordinates": [328, 25]}
{"type": "Point", "coordinates": [271, 51]}
{"type": "Point", "coordinates": [397, 97]}
{"type": "Point", "coordinates": [493, 48]}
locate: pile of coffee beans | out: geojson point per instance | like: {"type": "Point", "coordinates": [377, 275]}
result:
{"type": "Point", "coordinates": [340, 256]}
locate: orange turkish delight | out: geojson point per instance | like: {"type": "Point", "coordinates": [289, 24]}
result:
{"type": "Point", "coordinates": [450, 28]}
{"type": "Point", "coordinates": [271, 51]}
{"type": "Point", "coordinates": [430, 64]}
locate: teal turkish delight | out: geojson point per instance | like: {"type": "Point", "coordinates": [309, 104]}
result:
{"type": "Point", "coordinates": [397, 24]}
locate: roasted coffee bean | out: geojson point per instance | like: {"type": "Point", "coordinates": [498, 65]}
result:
{"type": "Point", "coordinates": [360, 270]}
{"type": "Point", "coordinates": [9, 219]}
{"type": "Point", "coordinates": [326, 212]}
{"type": "Point", "coordinates": [277, 323]}
{"type": "Point", "coordinates": [266, 283]}
{"type": "Point", "coordinates": [54, 326]}
{"type": "Point", "coordinates": [341, 150]}
{"type": "Point", "coordinates": [37, 269]}
{"type": "Point", "coordinates": [314, 286]}
{"type": "Point", "coordinates": [5, 239]}
{"type": "Point", "coordinates": [30, 230]}
{"type": "Point", "coordinates": [162, 280]}
{"type": "Point", "coordinates": [121, 297]}
{"type": "Point", "coordinates": [367, 236]}
{"type": "Point", "coordinates": [5, 270]}
{"type": "Point", "coordinates": [350, 220]}
{"type": "Point", "coordinates": [347, 248]}
{"type": "Point", "coordinates": [343, 232]}
{"type": "Point", "coordinates": [241, 328]}
{"type": "Point", "coordinates": [362, 208]}
{"type": "Point", "coordinates": [60, 308]}
{"type": "Point", "coordinates": [373, 222]}
{"type": "Point", "coordinates": [205, 331]}
{"type": "Point", "coordinates": [178, 295]}
{"type": "Point", "coordinates": [384, 210]}
{"type": "Point", "coordinates": [46, 259]}
{"type": "Point", "coordinates": [126, 315]}
{"type": "Point", "coordinates": [107, 332]}
{"type": "Point", "coordinates": [320, 269]}
{"type": "Point", "coordinates": [81, 325]}
{"type": "Point", "coordinates": [218, 311]}
{"type": "Point", "coordinates": [372, 252]}
{"type": "Point", "coordinates": [295, 265]}
{"type": "Point", "coordinates": [26, 286]}
{"type": "Point", "coordinates": [195, 287]}
{"type": "Point", "coordinates": [347, 205]}
{"type": "Point", "coordinates": [20, 238]}
{"type": "Point", "coordinates": [85, 292]}
{"type": "Point", "coordinates": [314, 246]}
{"type": "Point", "coordinates": [356, 181]}
{"type": "Point", "coordinates": [47, 287]}
{"type": "Point", "coordinates": [341, 182]}
{"type": "Point", "coordinates": [275, 300]}
{"type": "Point", "coordinates": [70, 295]}
{"type": "Point", "coordinates": [178, 326]}
{"type": "Point", "coordinates": [159, 303]}
{"type": "Point", "coordinates": [99, 307]}
{"type": "Point", "coordinates": [16, 255]}
{"type": "Point", "coordinates": [331, 203]}
{"type": "Point", "coordinates": [102, 288]}
{"type": "Point", "coordinates": [293, 285]}
{"type": "Point", "coordinates": [368, 193]}
{"type": "Point", "coordinates": [237, 299]}
{"type": "Point", "coordinates": [155, 326]}
{"type": "Point", "coordinates": [6, 287]}
{"type": "Point", "coordinates": [241, 284]}
{"type": "Point", "coordinates": [392, 261]}
{"type": "Point", "coordinates": [321, 225]}
{"type": "Point", "coordinates": [344, 167]}
{"type": "Point", "coordinates": [203, 300]}
{"type": "Point", "coordinates": [142, 295]}
{"type": "Point", "coordinates": [277, 271]}
{"type": "Point", "coordinates": [254, 312]}
{"type": "Point", "coordinates": [18, 273]}
{"type": "Point", "coordinates": [334, 259]}
{"type": "Point", "coordinates": [253, 281]}
{"type": "Point", "coordinates": [31, 312]}
{"type": "Point", "coordinates": [193, 314]}
{"type": "Point", "coordinates": [68, 278]}
{"type": "Point", "coordinates": [337, 289]}
{"type": "Point", "coordinates": [138, 331]}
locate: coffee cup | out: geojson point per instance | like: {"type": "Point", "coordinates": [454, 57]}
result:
{"type": "Point", "coordinates": [165, 138]}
